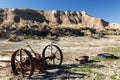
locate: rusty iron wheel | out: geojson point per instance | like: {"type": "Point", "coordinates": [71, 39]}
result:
{"type": "Point", "coordinates": [17, 63]}
{"type": "Point", "coordinates": [55, 55]}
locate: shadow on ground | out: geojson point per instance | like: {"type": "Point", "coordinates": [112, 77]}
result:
{"type": "Point", "coordinates": [61, 73]}
{"type": "Point", "coordinates": [64, 71]}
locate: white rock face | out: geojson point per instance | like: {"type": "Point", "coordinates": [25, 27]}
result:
{"type": "Point", "coordinates": [114, 26]}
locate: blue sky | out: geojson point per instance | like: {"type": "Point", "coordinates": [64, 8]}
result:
{"type": "Point", "coordinates": [109, 10]}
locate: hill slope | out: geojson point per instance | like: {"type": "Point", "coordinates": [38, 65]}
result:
{"type": "Point", "coordinates": [54, 17]}
{"type": "Point", "coordinates": [32, 23]}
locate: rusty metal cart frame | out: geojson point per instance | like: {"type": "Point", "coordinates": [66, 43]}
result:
{"type": "Point", "coordinates": [23, 61]}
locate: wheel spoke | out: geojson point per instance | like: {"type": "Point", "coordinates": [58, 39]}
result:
{"type": "Point", "coordinates": [21, 56]}
{"type": "Point", "coordinates": [48, 61]}
{"type": "Point", "coordinates": [57, 58]}
{"type": "Point", "coordinates": [51, 50]}
{"type": "Point", "coordinates": [18, 63]}
{"type": "Point", "coordinates": [21, 70]}
{"type": "Point", "coordinates": [27, 67]}
{"type": "Point", "coordinates": [55, 52]}
{"type": "Point", "coordinates": [53, 62]}
{"type": "Point", "coordinates": [17, 60]}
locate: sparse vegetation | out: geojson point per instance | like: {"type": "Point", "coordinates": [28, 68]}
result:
{"type": "Point", "coordinates": [114, 77]}
{"type": "Point", "coordinates": [99, 76]}
{"type": "Point", "coordinates": [112, 49]}
{"type": "Point", "coordinates": [33, 28]}
{"type": "Point", "coordinates": [95, 69]}
{"type": "Point", "coordinates": [89, 72]}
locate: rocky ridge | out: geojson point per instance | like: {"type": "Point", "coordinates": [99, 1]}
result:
{"type": "Point", "coordinates": [54, 17]}
{"type": "Point", "coordinates": [46, 23]}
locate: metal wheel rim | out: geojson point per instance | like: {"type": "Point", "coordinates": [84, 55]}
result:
{"type": "Point", "coordinates": [60, 52]}
{"type": "Point", "coordinates": [13, 63]}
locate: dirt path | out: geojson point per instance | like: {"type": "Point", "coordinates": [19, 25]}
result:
{"type": "Point", "coordinates": [72, 47]}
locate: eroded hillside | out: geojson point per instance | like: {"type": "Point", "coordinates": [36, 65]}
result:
{"type": "Point", "coordinates": [46, 23]}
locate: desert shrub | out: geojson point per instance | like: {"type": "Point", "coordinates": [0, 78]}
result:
{"type": "Point", "coordinates": [86, 32]}
{"type": "Point", "coordinates": [7, 23]}
{"type": "Point", "coordinates": [4, 32]}
{"type": "Point", "coordinates": [110, 32]}
{"type": "Point", "coordinates": [67, 32]}
{"type": "Point", "coordinates": [44, 24]}
{"type": "Point", "coordinates": [22, 22]}
{"type": "Point", "coordinates": [117, 32]}
{"type": "Point", "coordinates": [53, 31]}
{"type": "Point", "coordinates": [33, 31]}
{"type": "Point", "coordinates": [15, 38]}
{"type": "Point", "coordinates": [113, 31]}
{"type": "Point", "coordinates": [52, 25]}
{"type": "Point", "coordinates": [73, 32]}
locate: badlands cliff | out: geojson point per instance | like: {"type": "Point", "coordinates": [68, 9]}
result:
{"type": "Point", "coordinates": [54, 17]}
{"type": "Point", "coordinates": [29, 22]}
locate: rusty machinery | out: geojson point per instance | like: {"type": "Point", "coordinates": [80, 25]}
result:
{"type": "Point", "coordinates": [24, 63]}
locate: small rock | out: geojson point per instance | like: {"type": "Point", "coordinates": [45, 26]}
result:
{"type": "Point", "coordinates": [82, 59]}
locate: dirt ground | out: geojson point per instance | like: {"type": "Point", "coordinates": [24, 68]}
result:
{"type": "Point", "coordinates": [70, 69]}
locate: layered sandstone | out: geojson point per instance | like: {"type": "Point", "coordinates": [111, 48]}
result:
{"type": "Point", "coordinates": [54, 17]}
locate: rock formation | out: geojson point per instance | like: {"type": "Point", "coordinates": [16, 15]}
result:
{"type": "Point", "coordinates": [18, 23]}
{"type": "Point", "coordinates": [54, 17]}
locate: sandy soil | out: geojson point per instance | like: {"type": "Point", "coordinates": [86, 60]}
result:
{"type": "Point", "coordinates": [71, 47]}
